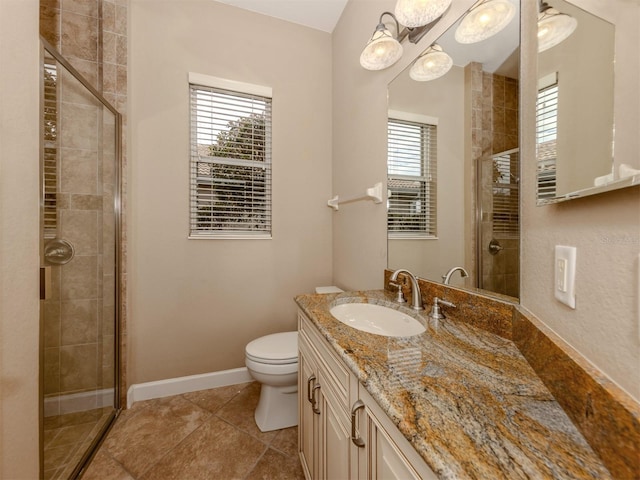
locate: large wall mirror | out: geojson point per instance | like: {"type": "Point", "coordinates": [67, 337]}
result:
{"type": "Point", "coordinates": [453, 165]}
{"type": "Point", "coordinates": [576, 114]}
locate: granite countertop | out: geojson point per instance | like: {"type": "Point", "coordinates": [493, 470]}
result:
{"type": "Point", "coordinates": [466, 399]}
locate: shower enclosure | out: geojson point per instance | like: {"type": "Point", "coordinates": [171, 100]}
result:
{"type": "Point", "coordinates": [498, 245]}
{"type": "Point", "coordinates": [79, 249]}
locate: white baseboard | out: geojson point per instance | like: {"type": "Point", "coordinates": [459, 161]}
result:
{"type": "Point", "coordinates": [78, 402]}
{"type": "Point", "coordinates": [192, 383]}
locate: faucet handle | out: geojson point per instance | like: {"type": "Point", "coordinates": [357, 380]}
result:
{"type": "Point", "coordinates": [436, 313]}
{"type": "Point", "coordinates": [400, 296]}
{"type": "Point", "coordinates": [444, 302]}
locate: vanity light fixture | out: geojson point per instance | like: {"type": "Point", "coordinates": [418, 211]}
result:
{"type": "Point", "coordinates": [416, 13]}
{"type": "Point", "coordinates": [553, 27]}
{"type": "Point", "coordinates": [418, 16]}
{"type": "Point", "coordinates": [383, 49]}
{"type": "Point", "coordinates": [432, 64]}
{"type": "Point", "coordinates": [485, 20]}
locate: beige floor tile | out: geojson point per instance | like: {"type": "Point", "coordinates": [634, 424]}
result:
{"type": "Point", "coordinates": [286, 441]}
{"type": "Point", "coordinates": [103, 467]}
{"type": "Point", "coordinates": [72, 434]}
{"type": "Point", "coordinates": [276, 466]}
{"type": "Point", "coordinates": [239, 411]}
{"type": "Point", "coordinates": [141, 439]}
{"type": "Point", "coordinates": [200, 435]}
{"type": "Point", "coordinates": [215, 450]}
{"type": "Point", "coordinates": [215, 398]}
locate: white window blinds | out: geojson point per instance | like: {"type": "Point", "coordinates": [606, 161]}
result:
{"type": "Point", "coordinates": [546, 134]}
{"type": "Point", "coordinates": [50, 158]}
{"type": "Point", "coordinates": [411, 163]}
{"type": "Point", "coordinates": [230, 164]}
{"type": "Point", "coordinates": [506, 194]}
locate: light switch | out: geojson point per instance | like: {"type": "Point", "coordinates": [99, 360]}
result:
{"type": "Point", "coordinates": [565, 275]}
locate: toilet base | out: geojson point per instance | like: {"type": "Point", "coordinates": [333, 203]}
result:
{"type": "Point", "coordinates": [277, 408]}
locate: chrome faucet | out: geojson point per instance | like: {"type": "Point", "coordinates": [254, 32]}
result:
{"type": "Point", "coordinates": [446, 278]}
{"type": "Point", "coordinates": [416, 295]}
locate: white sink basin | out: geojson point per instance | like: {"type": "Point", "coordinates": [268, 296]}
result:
{"type": "Point", "coordinates": [377, 319]}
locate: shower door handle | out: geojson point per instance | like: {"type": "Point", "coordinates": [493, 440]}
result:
{"type": "Point", "coordinates": [45, 283]}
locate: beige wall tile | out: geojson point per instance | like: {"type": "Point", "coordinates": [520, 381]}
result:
{"type": "Point", "coordinates": [79, 278]}
{"type": "Point", "coordinates": [78, 367]}
{"type": "Point", "coordinates": [79, 36]}
{"type": "Point", "coordinates": [51, 370]}
{"type": "Point", "coordinates": [51, 323]}
{"type": "Point", "coordinates": [80, 227]}
{"type": "Point", "coordinates": [79, 322]}
{"type": "Point", "coordinates": [79, 127]}
{"type": "Point", "coordinates": [78, 171]}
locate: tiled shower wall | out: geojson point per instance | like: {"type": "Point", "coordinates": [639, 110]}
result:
{"type": "Point", "coordinates": [495, 116]}
{"type": "Point", "coordinates": [92, 36]}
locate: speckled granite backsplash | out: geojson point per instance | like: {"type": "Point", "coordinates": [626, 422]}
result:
{"type": "Point", "coordinates": [607, 417]}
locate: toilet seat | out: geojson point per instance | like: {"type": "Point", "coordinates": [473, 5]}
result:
{"type": "Point", "coordinates": [274, 349]}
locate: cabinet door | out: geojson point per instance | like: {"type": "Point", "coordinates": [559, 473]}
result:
{"type": "Point", "coordinates": [386, 455]}
{"type": "Point", "coordinates": [335, 437]}
{"type": "Point", "coordinates": [308, 425]}
{"type": "Point", "coordinates": [387, 462]}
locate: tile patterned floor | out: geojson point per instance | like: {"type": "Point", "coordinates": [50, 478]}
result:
{"type": "Point", "coordinates": [67, 437]}
{"type": "Point", "coordinates": [209, 434]}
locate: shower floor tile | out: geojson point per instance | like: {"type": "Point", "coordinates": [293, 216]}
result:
{"type": "Point", "coordinates": [67, 437]}
{"type": "Point", "coordinates": [199, 435]}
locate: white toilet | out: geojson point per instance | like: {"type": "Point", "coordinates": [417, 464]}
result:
{"type": "Point", "coordinates": [272, 360]}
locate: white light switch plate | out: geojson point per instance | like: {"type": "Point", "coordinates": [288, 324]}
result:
{"type": "Point", "coordinates": [565, 275]}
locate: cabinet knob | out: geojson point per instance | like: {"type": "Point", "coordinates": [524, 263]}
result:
{"type": "Point", "coordinates": [355, 438]}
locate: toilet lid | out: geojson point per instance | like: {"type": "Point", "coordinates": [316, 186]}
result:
{"type": "Point", "coordinates": [277, 348]}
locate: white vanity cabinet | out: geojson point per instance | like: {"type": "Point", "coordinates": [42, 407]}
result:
{"type": "Point", "coordinates": [324, 435]}
{"type": "Point", "coordinates": [343, 433]}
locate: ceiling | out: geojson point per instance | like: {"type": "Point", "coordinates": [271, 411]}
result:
{"type": "Point", "coordinates": [319, 14]}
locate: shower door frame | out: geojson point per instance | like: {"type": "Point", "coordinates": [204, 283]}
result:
{"type": "Point", "coordinates": [47, 48]}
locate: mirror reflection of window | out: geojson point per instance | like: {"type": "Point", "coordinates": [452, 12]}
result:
{"type": "Point", "coordinates": [546, 135]}
{"type": "Point", "coordinates": [411, 179]}
{"type": "Point", "coordinates": [506, 194]}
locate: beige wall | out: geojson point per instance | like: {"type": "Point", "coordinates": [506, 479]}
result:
{"type": "Point", "coordinates": [196, 303]}
{"type": "Point", "coordinates": [19, 257]}
{"type": "Point", "coordinates": [605, 228]}
{"type": "Point", "coordinates": [606, 231]}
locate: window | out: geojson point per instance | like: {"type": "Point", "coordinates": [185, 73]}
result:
{"type": "Point", "coordinates": [230, 159]}
{"type": "Point", "coordinates": [546, 136]}
{"type": "Point", "coordinates": [411, 181]}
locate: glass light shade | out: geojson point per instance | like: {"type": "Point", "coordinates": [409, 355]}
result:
{"type": "Point", "coordinates": [485, 20]}
{"type": "Point", "coordinates": [553, 28]}
{"type": "Point", "coordinates": [382, 51]}
{"type": "Point", "coordinates": [432, 64]}
{"type": "Point", "coordinates": [416, 13]}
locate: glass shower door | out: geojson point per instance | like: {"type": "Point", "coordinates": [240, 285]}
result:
{"type": "Point", "coordinates": [499, 232]}
{"type": "Point", "coordinates": [79, 232]}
